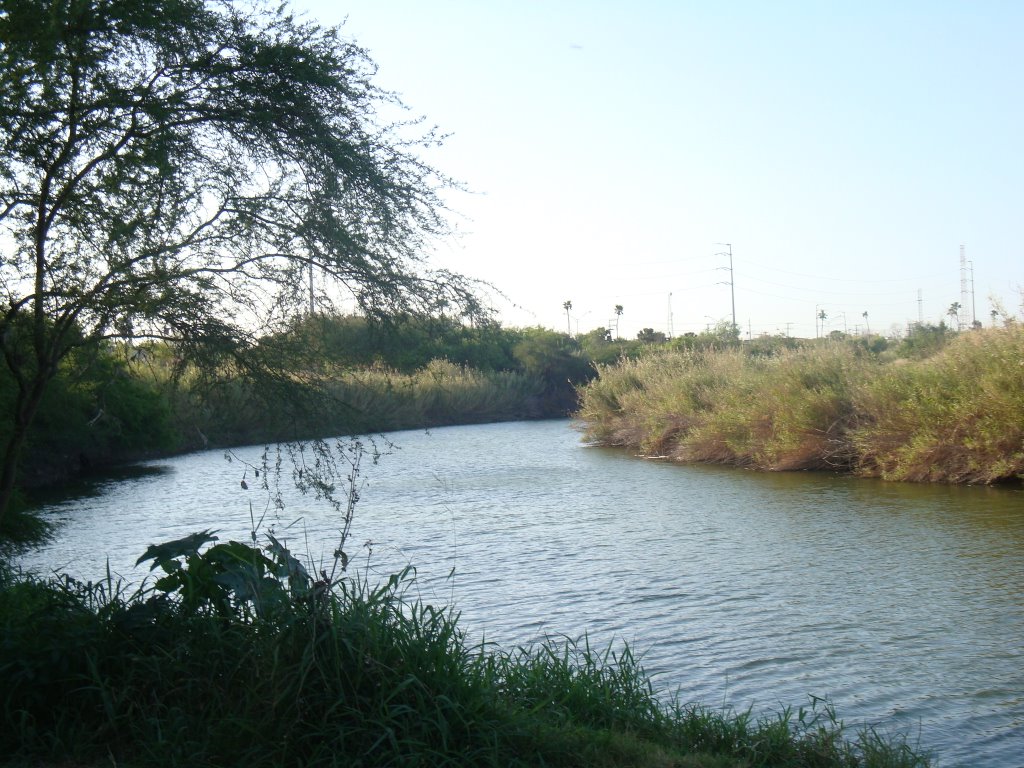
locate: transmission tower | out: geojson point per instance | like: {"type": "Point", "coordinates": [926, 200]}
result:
{"type": "Point", "coordinates": [731, 284]}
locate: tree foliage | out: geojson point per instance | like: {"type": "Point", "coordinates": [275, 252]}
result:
{"type": "Point", "coordinates": [405, 344]}
{"type": "Point", "coordinates": [197, 172]}
{"type": "Point", "coordinates": [651, 336]}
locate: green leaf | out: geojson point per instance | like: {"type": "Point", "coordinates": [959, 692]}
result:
{"type": "Point", "coordinates": [168, 551]}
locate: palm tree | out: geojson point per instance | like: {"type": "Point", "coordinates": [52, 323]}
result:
{"type": "Point", "coordinates": [866, 323]}
{"type": "Point", "coordinates": [618, 314]}
{"type": "Point", "coordinates": [822, 317]}
{"type": "Point", "coordinates": [567, 305]}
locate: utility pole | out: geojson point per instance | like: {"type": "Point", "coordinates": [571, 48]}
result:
{"type": "Point", "coordinates": [670, 314]}
{"type": "Point", "coordinates": [963, 287]}
{"type": "Point", "coordinates": [974, 317]}
{"type": "Point", "coordinates": [731, 283]}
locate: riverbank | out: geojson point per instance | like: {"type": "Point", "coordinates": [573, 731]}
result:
{"type": "Point", "coordinates": [151, 416]}
{"type": "Point", "coordinates": [238, 657]}
{"type": "Point", "coordinates": [956, 416]}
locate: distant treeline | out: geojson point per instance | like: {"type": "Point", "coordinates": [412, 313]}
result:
{"type": "Point", "coordinates": [935, 406]}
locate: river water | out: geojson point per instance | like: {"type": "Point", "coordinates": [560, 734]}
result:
{"type": "Point", "coordinates": [902, 604]}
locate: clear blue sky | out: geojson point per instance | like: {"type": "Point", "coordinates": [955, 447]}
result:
{"type": "Point", "coordinates": [846, 150]}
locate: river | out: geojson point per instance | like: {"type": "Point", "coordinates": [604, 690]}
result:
{"type": "Point", "coordinates": [901, 604]}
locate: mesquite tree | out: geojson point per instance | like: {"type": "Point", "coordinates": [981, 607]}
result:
{"type": "Point", "coordinates": [180, 170]}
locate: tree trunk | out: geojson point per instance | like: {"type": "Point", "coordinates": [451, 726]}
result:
{"type": "Point", "coordinates": [10, 469]}
{"type": "Point", "coordinates": [25, 409]}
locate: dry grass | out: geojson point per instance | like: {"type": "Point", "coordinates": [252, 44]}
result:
{"type": "Point", "coordinates": [957, 416]}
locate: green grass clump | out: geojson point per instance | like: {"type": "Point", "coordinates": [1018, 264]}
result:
{"type": "Point", "coordinates": [956, 416]}
{"type": "Point", "coordinates": [236, 656]}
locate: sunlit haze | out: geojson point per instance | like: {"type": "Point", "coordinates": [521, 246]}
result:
{"type": "Point", "coordinates": [846, 151]}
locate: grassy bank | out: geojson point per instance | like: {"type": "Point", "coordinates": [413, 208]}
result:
{"type": "Point", "coordinates": [236, 656]}
{"type": "Point", "coordinates": [954, 416]}
{"type": "Point", "coordinates": [232, 411]}
{"type": "Point", "coordinates": [117, 413]}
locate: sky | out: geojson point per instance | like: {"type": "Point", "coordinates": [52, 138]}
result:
{"type": "Point", "coordinates": [614, 152]}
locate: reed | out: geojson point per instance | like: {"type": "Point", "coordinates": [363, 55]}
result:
{"type": "Point", "coordinates": [786, 412]}
{"type": "Point", "coordinates": [957, 416]}
{"type": "Point", "coordinates": [649, 403]}
{"type": "Point", "coordinates": [790, 410]}
{"type": "Point", "coordinates": [227, 410]}
{"type": "Point", "coordinates": [440, 393]}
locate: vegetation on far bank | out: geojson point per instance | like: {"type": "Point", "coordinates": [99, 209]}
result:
{"type": "Point", "coordinates": [113, 403]}
{"type": "Point", "coordinates": [934, 405]}
{"type": "Point", "coordinates": [237, 656]}
{"type": "Point", "coordinates": [937, 406]}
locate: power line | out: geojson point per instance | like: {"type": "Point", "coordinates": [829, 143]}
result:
{"type": "Point", "coordinates": [915, 279]}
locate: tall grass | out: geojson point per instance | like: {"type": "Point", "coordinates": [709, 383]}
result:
{"type": "Point", "coordinates": [957, 416]}
{"type": "Point", "coordinates": [440, 393]}
{"type": "Point", "coordinates": [228, 411]}
{"type": "Point", "coordinates": [788, 411]}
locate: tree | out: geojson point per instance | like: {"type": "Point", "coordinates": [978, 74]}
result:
{"type": "Point", "coordinates": [651, 336]}
{"type": "Point", "coordinates": [618, 314]}
{"type": "Point", "coordinates": [867, 325]}
{"type": "Point", "coordinates": [557, 359]}
{"type": "Point", "coordinates": [174, 169]}
{"type": "Point", "coordinates": [567, 305]}
{"type": "Point", "coordinates": [923, 340]}
{"type": "Point", "coordinates": [954, 313]}
{"type": "Point", "coordinates": [822, 316]}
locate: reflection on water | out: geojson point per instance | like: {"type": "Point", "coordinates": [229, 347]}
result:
{"type": "Point", "coordinates": [902, 603]}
